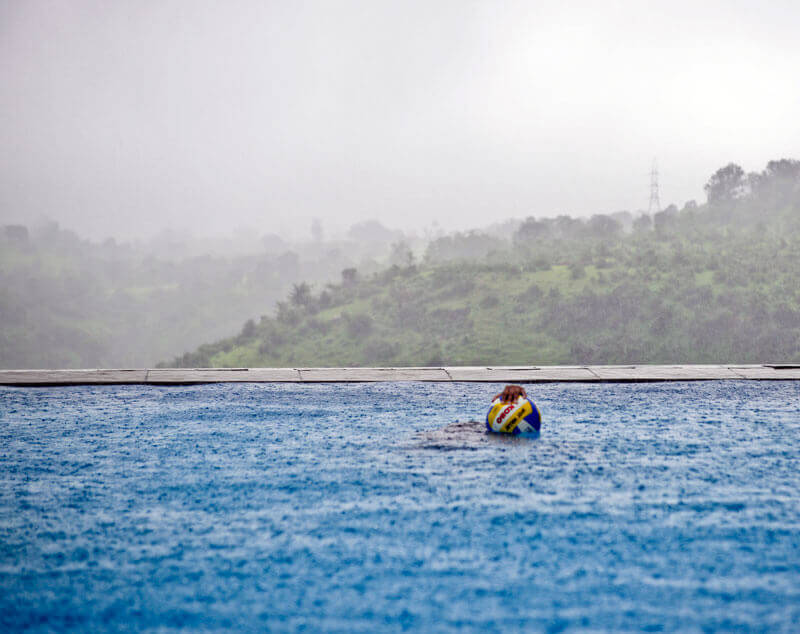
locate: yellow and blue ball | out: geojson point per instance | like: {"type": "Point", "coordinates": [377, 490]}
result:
{"type": "Point", "coordinates": [520, 417]}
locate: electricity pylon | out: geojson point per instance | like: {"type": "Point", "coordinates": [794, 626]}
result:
{"type": "Point", "coordinates": [655, 202]}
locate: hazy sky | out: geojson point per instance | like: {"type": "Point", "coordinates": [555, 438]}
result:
{"type": "Point", "coordinates": [124, 118]}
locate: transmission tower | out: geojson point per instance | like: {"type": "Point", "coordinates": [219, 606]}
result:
{"type": "Point", "coordinates": [655, 202]}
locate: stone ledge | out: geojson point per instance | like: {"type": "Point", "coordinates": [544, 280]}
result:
{"type": "Point", "coordinates": [488, 374]}
{"type": "Point", "coordinates": [72, 377]}
{"type": "Point", "coordinates": [180, 376]}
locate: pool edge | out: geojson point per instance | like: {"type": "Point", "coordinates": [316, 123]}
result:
{"type": "Point", "coordinates": [444, 374]}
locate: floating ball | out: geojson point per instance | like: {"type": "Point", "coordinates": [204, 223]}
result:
{"type": "Point", "coordinates": [520, 417]}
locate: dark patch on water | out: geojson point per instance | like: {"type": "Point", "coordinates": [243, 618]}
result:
{"type": "Point", "coordinates": [469, 435]}
{"type": "Point", "coordinates": [463, 435]}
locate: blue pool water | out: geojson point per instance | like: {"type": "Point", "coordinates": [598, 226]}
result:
{"type": "Point", "coordinates": [323, 507]}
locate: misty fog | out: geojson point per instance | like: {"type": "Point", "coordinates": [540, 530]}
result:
{"type": "Point", "coordinates": [125, 119]}
{"type": "Point", "coordinates": [356, 183]}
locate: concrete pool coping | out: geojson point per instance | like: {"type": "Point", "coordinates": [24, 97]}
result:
{"type": "Point", "coordinates": [502, 374]}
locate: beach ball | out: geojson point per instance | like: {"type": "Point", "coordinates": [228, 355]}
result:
{"type": "Point", "coordinates": [520, 417]}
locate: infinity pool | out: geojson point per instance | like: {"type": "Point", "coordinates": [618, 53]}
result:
{"type": "Point", "coordinates": [269, 507]}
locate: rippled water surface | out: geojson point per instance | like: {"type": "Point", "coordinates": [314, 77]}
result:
{"type": "Point", "coordinates": [326, 507]}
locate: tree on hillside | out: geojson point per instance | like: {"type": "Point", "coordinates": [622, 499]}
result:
{"type": "Point", "coordinates": [784, 169]}
{"type": "Point", "coordinates": [603, 226]}
{"type": "Point", "coordinates": [665, 219]}
{"type": "Point", "coordinates": [726, 185]}
{"type": "Point", "coordinates": [18, 233]}
{"type": "Point", "coordinates": [779, 182]}
{"type": "Point", "coordinates": [472, 245]}
{"type": "Point", "coordinates": [248, 330]}
{"type": "Point", "coordinates": [300, 295]}
{"type": "Point", "coordinates": [349, 277]}
{"type": "Point", "coordinates": [401, 254]}
{"type": "Point", "coordinates": [531, 231]}
{"type": "Point", "coordinates": [642, 224]}
{"type": "Point", "coordinates": [568, 227]}
{"type": "Point", "coordinates": [372, 231]}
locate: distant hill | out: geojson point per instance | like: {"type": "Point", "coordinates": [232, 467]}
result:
{"type": "Point", "coordinates": [66, 302]}
{"type": "Point", "coordinates": [714, 283]}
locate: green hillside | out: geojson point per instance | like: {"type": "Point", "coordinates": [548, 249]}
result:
{"type": "Point", "coordinates": [715, 283]}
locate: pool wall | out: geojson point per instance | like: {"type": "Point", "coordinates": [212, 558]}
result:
{"type": "Point", "coordinates": [517, 374]}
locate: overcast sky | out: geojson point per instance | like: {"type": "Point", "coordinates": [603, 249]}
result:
{"type": "Point", "coordinates": [125, 118]}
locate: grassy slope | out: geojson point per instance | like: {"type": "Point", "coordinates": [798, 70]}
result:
{"type": "Point", "coordinates": [405, 332]}
{"type": "Point", "coordinates": [695, 293]}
